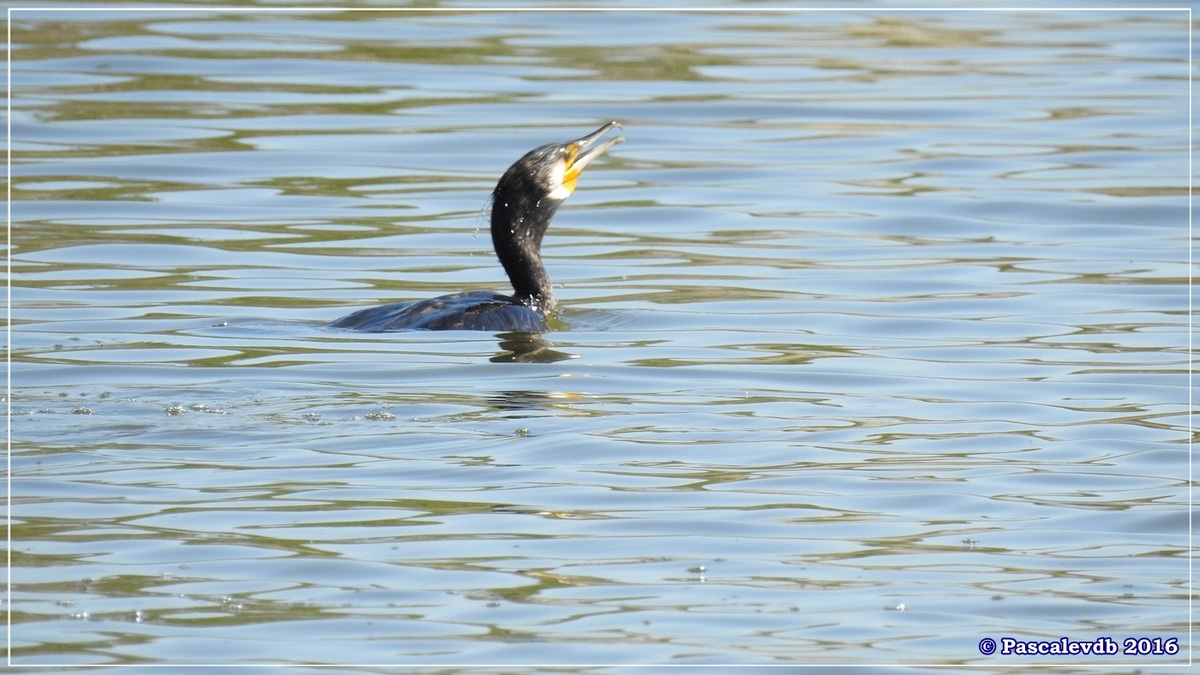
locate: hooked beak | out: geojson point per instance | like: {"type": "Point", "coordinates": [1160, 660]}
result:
{"type": "Point", "coordinates": [582, 151]}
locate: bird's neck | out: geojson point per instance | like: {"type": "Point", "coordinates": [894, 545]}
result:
{"type": "Point", "coordinates": [517, 230]}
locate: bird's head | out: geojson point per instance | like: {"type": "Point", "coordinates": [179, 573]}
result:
{"type": "Point", "coordinates": [551, 171]}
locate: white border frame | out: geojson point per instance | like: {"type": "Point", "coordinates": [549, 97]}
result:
{"type": "Point", "coordinates": [491, 10]}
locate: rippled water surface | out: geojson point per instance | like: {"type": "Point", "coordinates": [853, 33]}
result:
{"type": "Point", "coordinates": [873, 339]}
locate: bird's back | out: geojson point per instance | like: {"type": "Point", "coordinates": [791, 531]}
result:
{"type": "Point", "coordinates": [472, 310]}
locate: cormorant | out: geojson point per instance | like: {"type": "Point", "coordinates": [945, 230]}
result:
{"type": "Point", "coordinates": [523, 203]}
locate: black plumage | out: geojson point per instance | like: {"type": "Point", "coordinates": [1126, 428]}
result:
{"type": "Point", "coordinates": [523, 203]}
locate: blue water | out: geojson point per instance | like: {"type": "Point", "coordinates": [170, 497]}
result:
{"type": "Point", "coordinates": [873, 341]}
